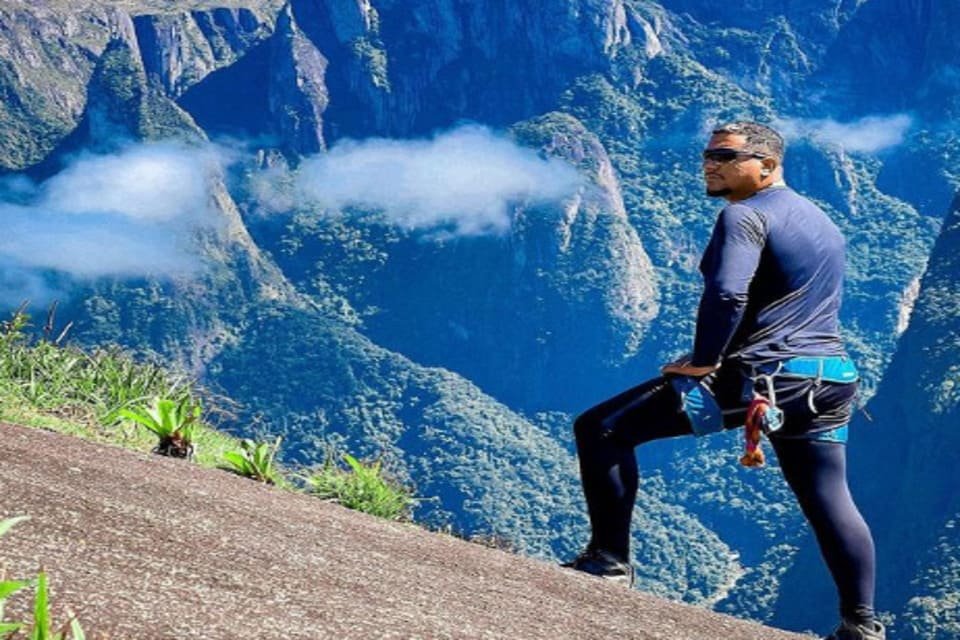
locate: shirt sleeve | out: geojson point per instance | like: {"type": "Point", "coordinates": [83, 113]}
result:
{"type": "Point", "coordinates": [728, 267]}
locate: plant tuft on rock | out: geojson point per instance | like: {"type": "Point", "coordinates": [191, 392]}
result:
{"type": "Point", "coordinates": [174, 423]}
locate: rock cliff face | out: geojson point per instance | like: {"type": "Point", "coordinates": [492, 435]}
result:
{"type": "Point", "coordinates": [913, 66]}
{"type": "Point", "coordinates": [47, 60]}
{"type": "Point", "coordinates": [275, 94]}
{"type": "Point", "coordinates": [297, 91]}
{"type": "Point", "coordinates": [181, 49]}
{"type": "Point", "coordinates": [402, 68]}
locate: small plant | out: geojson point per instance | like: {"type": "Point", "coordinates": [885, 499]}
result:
{"type": "Point", "coordinates": [41, 617]}
{"type": "Point", "coordinates": [255, 460]}
{"type": "Point", "coordinates": [362, 487]}
{"type": "Point", "coordinates": [174, 423]}
{"type": "Point", "coordinates": [41, 604]}
{"type": "Point", "coordinates": [9, 587]}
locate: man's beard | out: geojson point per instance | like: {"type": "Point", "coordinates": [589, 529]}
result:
{"type": "Point", "coordinates": [718, 193]}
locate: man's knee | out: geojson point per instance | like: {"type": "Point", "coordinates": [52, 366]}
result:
{"type": "Point", "coordinates": [586, 427]}
{"type": "Point", "coordinates": [592, 428]}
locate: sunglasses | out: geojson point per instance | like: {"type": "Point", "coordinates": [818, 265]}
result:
{"type": "Point", "coordinates": [723, 155]}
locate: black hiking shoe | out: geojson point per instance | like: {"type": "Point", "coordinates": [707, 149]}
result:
{"type": "Point", "coordinates": [851, 631]}
{"type": "Point", "coordinates": [602, 564]}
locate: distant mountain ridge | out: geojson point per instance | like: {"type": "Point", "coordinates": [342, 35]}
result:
{"type": "Point", "coordinates": [463, 359]}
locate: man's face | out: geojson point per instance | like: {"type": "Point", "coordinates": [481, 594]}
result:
{"type": "Point", "coordinates": [735, 177]}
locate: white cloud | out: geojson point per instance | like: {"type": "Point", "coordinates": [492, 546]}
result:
{"type": "Point", "coordinates": [129, 214]}
{"type": "Point", "coordinates": [146, 182]}
{"type": "Point", "coordinates": [463, 180]}
{"type": "Point", "coordinates": [90, 245]}
{"type": "Point", "coordinates": [136, 212]}
{"type": "Point", "coordinates": [869, 134]}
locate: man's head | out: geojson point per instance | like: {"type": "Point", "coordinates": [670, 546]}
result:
{"type": "Point", "coordinates": [742, 158]}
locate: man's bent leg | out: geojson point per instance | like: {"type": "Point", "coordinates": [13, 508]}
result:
{"type": "Point", "coordinates": [606, 436]}
{"type": "Point", "coordinates": [816, 472]}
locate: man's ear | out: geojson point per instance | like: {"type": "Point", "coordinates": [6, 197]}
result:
{"type": "Point", "coordinates": [769, 166]}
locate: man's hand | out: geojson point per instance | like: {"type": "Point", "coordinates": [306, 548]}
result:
{"type": "Point", "coordinates": [682, 367]}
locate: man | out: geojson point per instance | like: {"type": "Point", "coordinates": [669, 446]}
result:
{"type": "Point", "coordinates": [767, 339]}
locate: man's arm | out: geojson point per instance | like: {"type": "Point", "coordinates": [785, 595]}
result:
{"type": "Point", "coordinates": [728, 268]}
{"type": "Point", "coordinates": [682, 367]}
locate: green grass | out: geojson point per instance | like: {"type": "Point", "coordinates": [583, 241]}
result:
{"type": "Point", "coordinates": [66, 389]}
{"type": "Point", "coordinates": [108, 397]}
{"type": "Point", "coordinates": [361, 486]}
{"type": "Point", "coordinates": [46, 375]}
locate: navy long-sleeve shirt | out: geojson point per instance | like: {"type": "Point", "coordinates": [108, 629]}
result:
{"type": "Point", "coordinates": [773, 282]}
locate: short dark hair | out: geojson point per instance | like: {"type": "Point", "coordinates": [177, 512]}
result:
{"type": "Point", "coordinates": [760, 138]}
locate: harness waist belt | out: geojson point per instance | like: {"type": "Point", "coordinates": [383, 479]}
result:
{"type": "Point", "coordinates": [839, 369]}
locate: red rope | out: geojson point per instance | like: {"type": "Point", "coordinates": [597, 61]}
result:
{"type": "Point", "coordinates": [753, 454]}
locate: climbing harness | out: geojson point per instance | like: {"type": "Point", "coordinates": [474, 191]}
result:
{"type": "Point", "coordinates": [765, 417]}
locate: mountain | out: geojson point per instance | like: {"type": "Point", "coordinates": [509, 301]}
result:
{"type": "Point", "coordinates": [460, 346]}
{"type": "Point", "coordinates": [277, 91]}
{"type": "Point", "coordinates": [918, 404]}
{"type": "Point", "coordinates": [117, 531]}
{"type": "Point", "coordinates": [562, 321]}
{"type": "Point", "coordinates": [243, 325]}
{"type": "Point", "coordinates": [911, 505]}
{"type": "Point", "coordinates": [920, 59]}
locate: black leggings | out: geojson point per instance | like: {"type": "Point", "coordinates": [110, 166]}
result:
{"type": "Point", "coordinates": [816, 472]}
